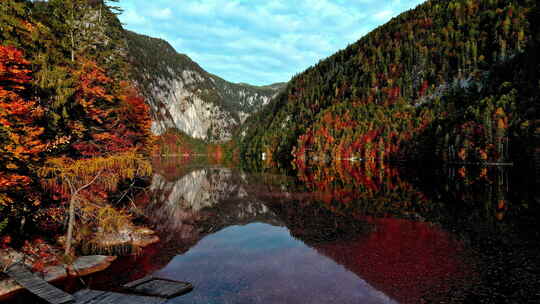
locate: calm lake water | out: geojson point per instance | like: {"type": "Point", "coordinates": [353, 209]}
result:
{"type": "Point", "coordinates": [346, 233]}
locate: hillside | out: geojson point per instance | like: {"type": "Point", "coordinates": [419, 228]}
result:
{"type": "Point", "coordinates": [74, 131]}
{"type": "Point", "coordinates": [185, 97]}
{"type": "Point", "coordinates": [72, 114]}
{"type": "Point", "coordinates": [450, 80]}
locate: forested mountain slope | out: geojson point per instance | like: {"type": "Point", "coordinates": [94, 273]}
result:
{"type": "Point", "coordinates": [183, 96]}
{"type": "Point", "coordinates": [450, 80]}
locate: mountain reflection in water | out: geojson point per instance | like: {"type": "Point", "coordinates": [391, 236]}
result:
{"type": "Point", "coordinates": [260, 238]}
{"type": "Point", "coordinates": [260, 263]}
{"type": "Point", "coordinates": [340, 235]}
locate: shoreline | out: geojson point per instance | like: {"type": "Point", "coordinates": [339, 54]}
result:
{"type": "Point", "coordinates": [82, 266]}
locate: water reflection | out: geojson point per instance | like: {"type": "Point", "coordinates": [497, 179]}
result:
{"type": "Point", "coordinates": [202, 201]}
{"type": "Point", "coordinates": [270, 238]}
{"type": "Point", "coordinates": [259, 263]}
{"type": "Point", "coordinates": [345, 233]}
{"type": "Point", "coordinates": [411, 261]}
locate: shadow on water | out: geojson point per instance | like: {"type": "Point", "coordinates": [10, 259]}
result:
{"type": "Point", "coordinates": [347, 233]}
{"type": "Point", "coordinates": [495, 211]}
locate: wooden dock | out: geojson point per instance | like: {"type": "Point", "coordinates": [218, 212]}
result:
{"type": "Point", "coordinates": [159, 287]}
{"type": "Point", "coordinates": [38, 286]}
{"type": "Point", "coordinates": [88, 296]}
{"type": "Point", "coordinates": [152, 290]}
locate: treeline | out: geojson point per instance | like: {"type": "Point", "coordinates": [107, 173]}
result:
{"type": "Point", "coordinates": [450, 80]}
{"type": "Point", "coordinates": [73, 128]}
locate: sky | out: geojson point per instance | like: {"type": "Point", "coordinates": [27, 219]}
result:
{"type": "Point", "coordinates": [259, 41]}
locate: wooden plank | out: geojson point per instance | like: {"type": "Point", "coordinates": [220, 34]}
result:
{"type": "Point", "coordinates": [86, 296]}
{"type": "Point", "coordinates": [38, 286]}
{"type": "Point", "coordinates": [159, 287]}
{"type": "Point", "coordinates": [102, 297]}
{"type": "Point", "coordinates": [138, 282]}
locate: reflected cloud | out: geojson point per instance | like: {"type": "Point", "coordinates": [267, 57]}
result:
{"type": "Point", "coordinates": [256, 236]}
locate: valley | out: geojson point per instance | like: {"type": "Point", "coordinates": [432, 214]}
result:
{"type": "Point", "coordinates": [402, 168]}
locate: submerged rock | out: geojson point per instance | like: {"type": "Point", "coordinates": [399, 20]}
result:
{"type": "Point", "coordinates": [127, 241]}
{"type": "Point", "coordinates": [86, 265]}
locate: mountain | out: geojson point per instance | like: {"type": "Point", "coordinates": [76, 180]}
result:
{"type": "Point", "coordinates": [185, 97]}
{"type": "Point", "coordinates": [453, 81]}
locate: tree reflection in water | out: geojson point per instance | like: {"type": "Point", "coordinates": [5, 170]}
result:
{"type": "Point", "coordinates": [374, 233]}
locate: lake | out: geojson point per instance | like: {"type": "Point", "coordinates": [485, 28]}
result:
{"type": "Point", "coordinates": [345, 233]}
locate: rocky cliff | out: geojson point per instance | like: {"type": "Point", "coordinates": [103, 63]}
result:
{"type": "Point", "coordinates": [185, 97]}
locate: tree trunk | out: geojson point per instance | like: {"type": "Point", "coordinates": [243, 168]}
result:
{"type": "Point", "coordinates": [72, 47]}
{"type": "Point", "coordinates": [71, 223]}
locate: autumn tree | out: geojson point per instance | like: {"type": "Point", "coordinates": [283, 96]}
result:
{"type": "Point", "coordinates": [20, 143]}
{"type": "Point", "coordinates": [86, 182]}
{"type": "Point", "coordinates": [68, 98]}
{"type": "Point", "coordinates": [15, 28]}
{"type": "Point", "coordinates": [111, 118]}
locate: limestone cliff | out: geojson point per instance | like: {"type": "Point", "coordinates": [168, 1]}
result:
{"type": "Point", "coordinates": [185, 97]}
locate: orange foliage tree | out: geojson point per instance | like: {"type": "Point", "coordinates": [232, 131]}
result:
{"type": "Point", "coordinates": [20, 143]}
{"type": "Point", "coordinates": [113, 119]}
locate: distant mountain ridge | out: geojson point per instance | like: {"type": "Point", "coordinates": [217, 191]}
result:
{"type": "Point", "coordinates": [452, 81]}
{"type": "Point", "coordinates": [185, 97]}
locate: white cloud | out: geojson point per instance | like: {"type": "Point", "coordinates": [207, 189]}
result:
{"type": "Point", "coordinates": [197, 7]}
{"type": "Point", "coordinates": [259, 41]}
{"type": "Point", "coordinates": [132, 18]}
{"type": "Point", "coordinates": [383, 15]}
{"type": "Point", "coordinates": [165, 13]}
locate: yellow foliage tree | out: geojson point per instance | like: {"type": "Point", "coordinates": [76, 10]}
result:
{"type": "Point", "coordinates": [72, 178]}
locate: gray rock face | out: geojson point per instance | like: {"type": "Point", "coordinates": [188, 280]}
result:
{"type": "Point", "coordinates": [203, 200]}
{"type": "Point", "coordinates": [182, 96]}
{"type": "Point", "coordinates": [179, 107]}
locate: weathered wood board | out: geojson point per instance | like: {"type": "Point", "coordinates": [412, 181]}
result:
{"type": "Point", "coordinates": [88, 296]}
{"type": "Point", "coordinates": [38, 286]}
{"type": "Point", "coordinates": [159, 287]}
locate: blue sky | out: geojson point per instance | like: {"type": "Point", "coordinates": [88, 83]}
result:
{"type": "Point", "coordinates": [259, 41]}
